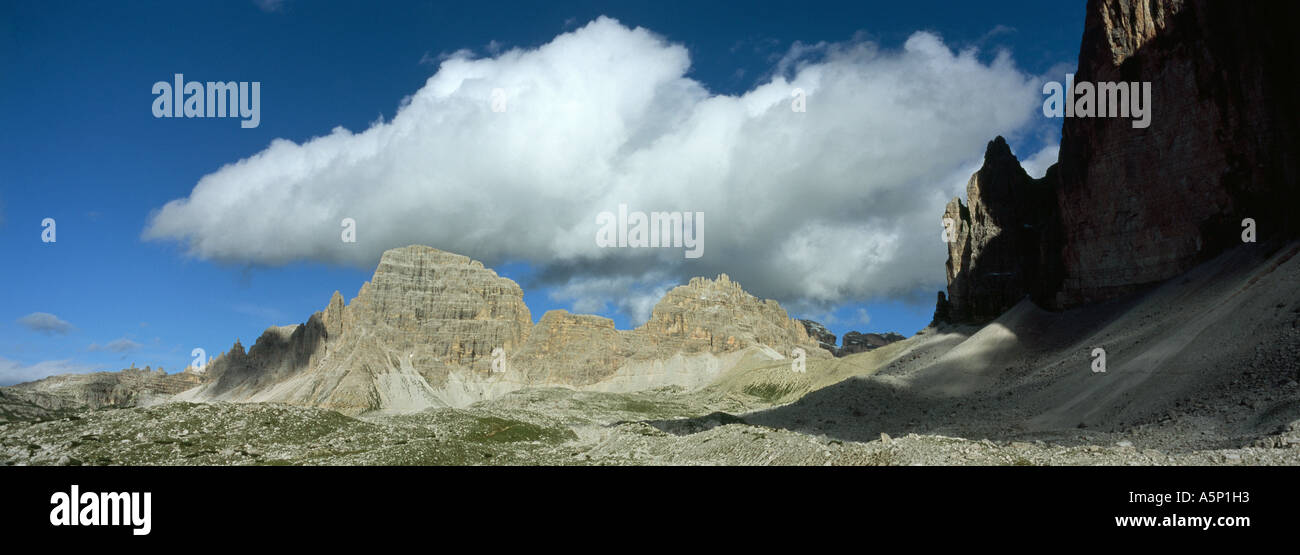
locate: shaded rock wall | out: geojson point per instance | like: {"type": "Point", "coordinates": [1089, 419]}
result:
{"type": "Point", "coordinates": [1128, 207]}
{"type": "Point", "coordinates": [855, 342]}
{"type": "Point", "coordinates": [997, 253]}
{"type": "Point", "coordinates": [1142, 205]}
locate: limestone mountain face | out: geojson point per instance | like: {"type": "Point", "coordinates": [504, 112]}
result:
{"type": "Point", "coordinates": [567, 349]}
{"type": "Point", "coordinates": [423, 332]}
{"type": "Point", "coordinates": [694, 333]}
{"type": "Point", "coordinates": [424, 316]}
{"type": "Point", "coordinates": [127, 388]}
{"type": "Point", "coordinates": [718, 316]}
{"type": "Point", "coordinates": [423, 298]}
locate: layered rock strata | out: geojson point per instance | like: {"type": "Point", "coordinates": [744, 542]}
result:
{"type": "Point", "coordinates": [824, 338]}
{"type": "Point", "coordinates": [126, 388]}
{"type": "Point", "coordinates": [433, 328]}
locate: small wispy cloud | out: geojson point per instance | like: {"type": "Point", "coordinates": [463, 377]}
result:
{"type": "Point", "coordinates": [428, 59]}
{"type": "Point", "coordinates": [44, 322]}
{"type": "Point", "coordinates": [270, 315]}
{"type": "Point", "coordinates": [270, 6]}
{"type": "Point", "coordinates": [997, 30]}
{"type": "Point", "coordinates": [861, 317]}
{"type": "Point", "coordinates": [119, 345]}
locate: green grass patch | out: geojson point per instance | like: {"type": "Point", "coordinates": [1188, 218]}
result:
{"type": "Point", "coordinates": [769, 392]}
{"type": "Point", "coordinates": [490, 429]}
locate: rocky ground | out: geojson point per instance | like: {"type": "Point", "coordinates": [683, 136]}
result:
{"type": "Point", "coordinates": [551, 427]}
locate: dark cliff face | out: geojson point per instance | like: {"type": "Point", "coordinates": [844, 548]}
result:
{"type": "Point", "coordinates": [996, 253]}
{"type": "Point", "coordinates": [1142, 205]}
{"type": "Point", "coordinates": [855, 342]}
{"type": "Point", "coordinates": [1127, 206]}
{"type": "Point", "coordinates": [824, 338]}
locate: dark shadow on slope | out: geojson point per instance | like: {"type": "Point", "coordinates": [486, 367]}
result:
{"type": "Point", "coordinates": [1203, 361]}
{"type": "Point", "coordinates": [695, 425]}
{"type": "Point", "coordinates": [861, 409]}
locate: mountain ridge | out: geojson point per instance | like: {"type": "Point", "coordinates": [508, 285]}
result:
{"type": "Point", "coordinates": [435, 329]}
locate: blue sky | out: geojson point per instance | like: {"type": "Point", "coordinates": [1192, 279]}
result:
{"type": "Point", "coordinates": [81, 146]}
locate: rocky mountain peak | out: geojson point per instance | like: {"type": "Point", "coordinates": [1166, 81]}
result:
{"type": "Point", "coordinates": [1119, 29]}
{"type": "Point", "coordinates": [419, 293]}
{"type": "Point", "coordinates": [993, 254]}
{"type": "Point", "coordinates": [332, 317]}
{"type": "Point", "coordinates": [720, 316]}
{"type": "Point", "coordinates": [856, 342]}
{"type": "Point", "coordinates": [998, 151]}
{"type": "Point", "coordinates": [817, 332]}
{"type": "Point", "coordinates": [721, 284]}
{"type": "Point", "coordinates": [423, 332]}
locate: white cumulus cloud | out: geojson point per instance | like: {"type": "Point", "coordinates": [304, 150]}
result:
{"type": "Point", "coordinates": [1036, 166]}
{"type": "Point", "coordinates": [840, 202]}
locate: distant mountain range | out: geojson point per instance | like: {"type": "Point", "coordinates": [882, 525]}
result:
{"type": "Point", "coordinates": [436, 329]}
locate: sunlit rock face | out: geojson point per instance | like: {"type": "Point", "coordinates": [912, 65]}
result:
{"type": "Point", "coordinates": [687, 340]}
{"type": "Point", "coordinates": [425, 316]}
{"type": "Point", "coordinates": [718, 316]}
{"type": "Point", "coordinates": [432, 328]}
{"type": "Point", "coordinates": [127, 388]}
